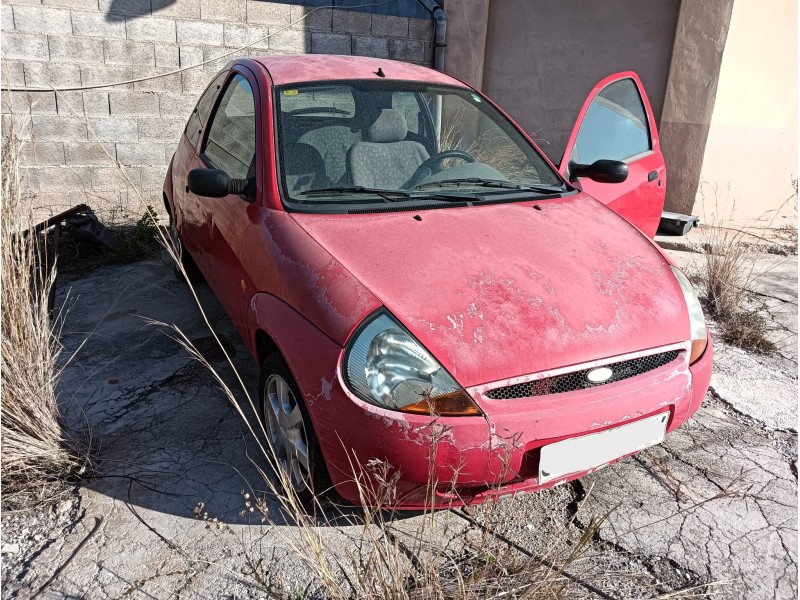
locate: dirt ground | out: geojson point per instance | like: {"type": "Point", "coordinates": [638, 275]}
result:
{"type": "Point", "coordinates": [716, 503]}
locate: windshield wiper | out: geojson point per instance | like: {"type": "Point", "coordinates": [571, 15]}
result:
{"type": "Point", "coordinates": [390, 195]}
{"type": "Point", "coordinates": [497, 183]}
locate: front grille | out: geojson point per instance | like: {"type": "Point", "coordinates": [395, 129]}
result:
{"type": "Point", "coordinates": [577, 380]}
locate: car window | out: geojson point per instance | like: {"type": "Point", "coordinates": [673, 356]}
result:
{"type": "Point", "coordinates": [467, 127]}
{"type": "Point", "coordinates": [359, 144]}
{"type": "Point", "coordinates": [325, 101]}
{"type": "Point", "coordinates": [614, 127]}
{"type": "Point", "coordinates": [200, 113]}
{"type": "Point", "coordinates": [231, 142]}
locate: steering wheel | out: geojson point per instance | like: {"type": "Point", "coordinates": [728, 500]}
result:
{"type": "Point", "coordinates": [434, 165]}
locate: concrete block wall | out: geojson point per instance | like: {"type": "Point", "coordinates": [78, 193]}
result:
{"type": "Point", "coordinates": [73, 140]}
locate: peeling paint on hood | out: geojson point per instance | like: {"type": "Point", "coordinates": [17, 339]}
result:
{"type": "Point", "coordinates": [500, 291]}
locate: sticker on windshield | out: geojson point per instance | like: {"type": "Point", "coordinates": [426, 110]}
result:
{"type": "Point", "coordinates": [290, 92]}
{"type": "Point", "coordinates": [476, 98]}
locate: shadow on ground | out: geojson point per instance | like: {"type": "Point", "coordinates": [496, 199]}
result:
{"type": "Point", "coordinates": [167, 436]}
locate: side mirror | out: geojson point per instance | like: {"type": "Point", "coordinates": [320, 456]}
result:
{"type": "Point", "coordinates": [216, 183]}
{"type": "Point", "coordinates": [603, 171]}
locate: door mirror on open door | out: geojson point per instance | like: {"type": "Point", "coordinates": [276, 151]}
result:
{"type": "Point", "coordinates": [602, 171]}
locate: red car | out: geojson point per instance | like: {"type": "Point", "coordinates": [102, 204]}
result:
{"type": "Point", "coordinates": [405, 264]}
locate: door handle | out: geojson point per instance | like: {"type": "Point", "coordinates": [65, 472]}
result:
{"type": "Point", "coordinates": [652, 175]}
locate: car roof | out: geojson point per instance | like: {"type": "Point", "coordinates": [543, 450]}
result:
{"type": "Point", "coordinates": [299, 68]}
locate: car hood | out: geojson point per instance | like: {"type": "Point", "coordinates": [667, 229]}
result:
{"type": "Point", "coordinates": [506, 290]}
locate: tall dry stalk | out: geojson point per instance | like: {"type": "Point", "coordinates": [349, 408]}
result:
{"type": "Point", "coordinates": [37, 455]}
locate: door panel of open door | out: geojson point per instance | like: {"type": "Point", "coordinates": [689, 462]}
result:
{"type": "Point", "coordinates": [616, 123]}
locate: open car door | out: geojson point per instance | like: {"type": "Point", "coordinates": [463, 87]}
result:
{"type": "Point", "coordinates": [616, 123]}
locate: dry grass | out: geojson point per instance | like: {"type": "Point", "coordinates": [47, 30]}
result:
{"type": "Point", "coordinates": [38, 456]}
{"type": "Point", "coordinates": [727, 277]}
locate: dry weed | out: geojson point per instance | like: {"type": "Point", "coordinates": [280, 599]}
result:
{"type": "Point", "coordinates": [38, 456]}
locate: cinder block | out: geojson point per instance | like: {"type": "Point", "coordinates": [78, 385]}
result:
{"type": "Point", "coordinates": [194, 81]}
{"type": "Point", "coordinates": [153, 29]}
{"type": "Point", "coordinates": [105, 75]}
{"type": "Point", "coordinates": [90, 153]}
{"type": "Point", "coordinates": [118, 180]}
{"type": "Point", "coordinates": [128, 52]}
{"type": "Point", "coordinates": [13, 125]}
{"type": "Point", "coordinates": [79, 4]}
{"type": "Point", "coordinates": [267, 13]}
{"type": "Point", "coordinates": [352, 22]}
{"type": "Point", "coordinates": [25, 46]}
{"type": "Point", "coordinates": [190, 55]}
{"type": "Point", "coordinates": [370, 46]}
{"type": "Point", "coordinates": [75, 50]}
{"type": "Point", "coordinates": [216, 65]}
{"type": "Point", "coordinates": [42, 154]}
{"type": "Point", "coordinates": [182, 9]}
{"type": "Point", "coordinates": [163, 83]}
{"type": "Point", "coordinates": [228, 11]}
{"type": "Point", "coordinates": [37, 19]}
{"type": "Point", "coordinates": [420, 29]}
{"type": "Point", "coordinates": [13, 72]}
{"type": "Point", "coordinates": [6, 18]}
{"type": "Point", "coordinates": [58, 128]}
{"type": "Point", "coordinates": [24, 103]}
{"type": "Point", "coordinates": [65, 179]}
{"type": "Point", "coordinates": [40, 74]}
{"type": "Point", "coordinates": [238, 35]}
{"type": "Point", "coordinates": [167, 55]}
{"type": "Point", "coordinates": [161, 129]}
{"type": "Point", "coordinates": [200, 33]}
{"type": "Point", "coordinates": [330, 43]}
{"type": "Point", "coordinates": [93, 103]}
{"type": "Point", "coordinates": [407, 50]}
{"type": "Point", "coordinates": [98, 25]}
{"type": "Point", "coordinates": [113, 129]}
{"type": "Point", "coordinates": [133, 104]}
{"type": "Point", "coordinates": [176, 105]}
{"type": "Point", "coordinates": [291, 41]}
{"type": "Point", "coordinates": [389, 26]}
{"type": "Point", "coordinates": [315, 19]}
{"type": "Point", "coordinates": [29, 180]}
{"type": "Point", "coordinates": [140, 153]}
{"type": "Point", "coordinates": [133, 8]}
{"type": "Point", "coordinates": [152, 178]}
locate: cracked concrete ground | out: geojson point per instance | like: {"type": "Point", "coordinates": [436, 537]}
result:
{"type": "Point", "coordinates": [716, 503]}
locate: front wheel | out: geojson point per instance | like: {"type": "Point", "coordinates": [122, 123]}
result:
{"type": "Point", "coordinates": [181, 256]}
{"type": "Point", "coordinates": [291, 433]}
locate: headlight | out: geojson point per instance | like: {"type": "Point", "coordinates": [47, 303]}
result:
{"type": "Point", "coordinates": [697, 322]}
{"type": "Point", "coordinates": [385, 366]}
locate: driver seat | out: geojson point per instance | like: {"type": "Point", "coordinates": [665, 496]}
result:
{"type": "Point", "coordinates": [386, 160]}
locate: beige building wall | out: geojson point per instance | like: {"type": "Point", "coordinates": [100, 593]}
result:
{"type": "Point", "coordinates": [751, 153]}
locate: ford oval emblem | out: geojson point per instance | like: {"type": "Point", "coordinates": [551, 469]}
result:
{"type": "Point", "coordinates": [600, 375]}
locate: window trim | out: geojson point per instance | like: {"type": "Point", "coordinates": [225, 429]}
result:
{"type": "Point", "coordinates": [201, 152]}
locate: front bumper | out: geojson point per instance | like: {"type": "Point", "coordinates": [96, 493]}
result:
{"type": "Point", "coordinates": [472, 459]}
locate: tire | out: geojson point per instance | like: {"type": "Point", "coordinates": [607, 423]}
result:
{"type": "Point", "coordinates": [291, 433]}
{"type": "Point", "coordinates": [189, 266]}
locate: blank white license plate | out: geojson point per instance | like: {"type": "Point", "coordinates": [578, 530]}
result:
{"type": "Point", "coordinates": [596, 449]}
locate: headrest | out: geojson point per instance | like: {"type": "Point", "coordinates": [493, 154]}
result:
{"type": "Point", "coordinates": [390, 126]}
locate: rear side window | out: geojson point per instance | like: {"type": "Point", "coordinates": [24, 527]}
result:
{"type": "Point", "coordinates": [614, 127]}
{"type": "Point", "coordinates": [200, 113]}
{"type": "Point", "coordinates": [231, 142]}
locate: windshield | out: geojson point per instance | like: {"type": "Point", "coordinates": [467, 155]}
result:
{"type": "Point", "coordinates": [362, 144]}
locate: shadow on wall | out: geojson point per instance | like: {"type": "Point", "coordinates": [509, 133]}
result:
{"type": "Point", "coordinates": [119, 10]}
